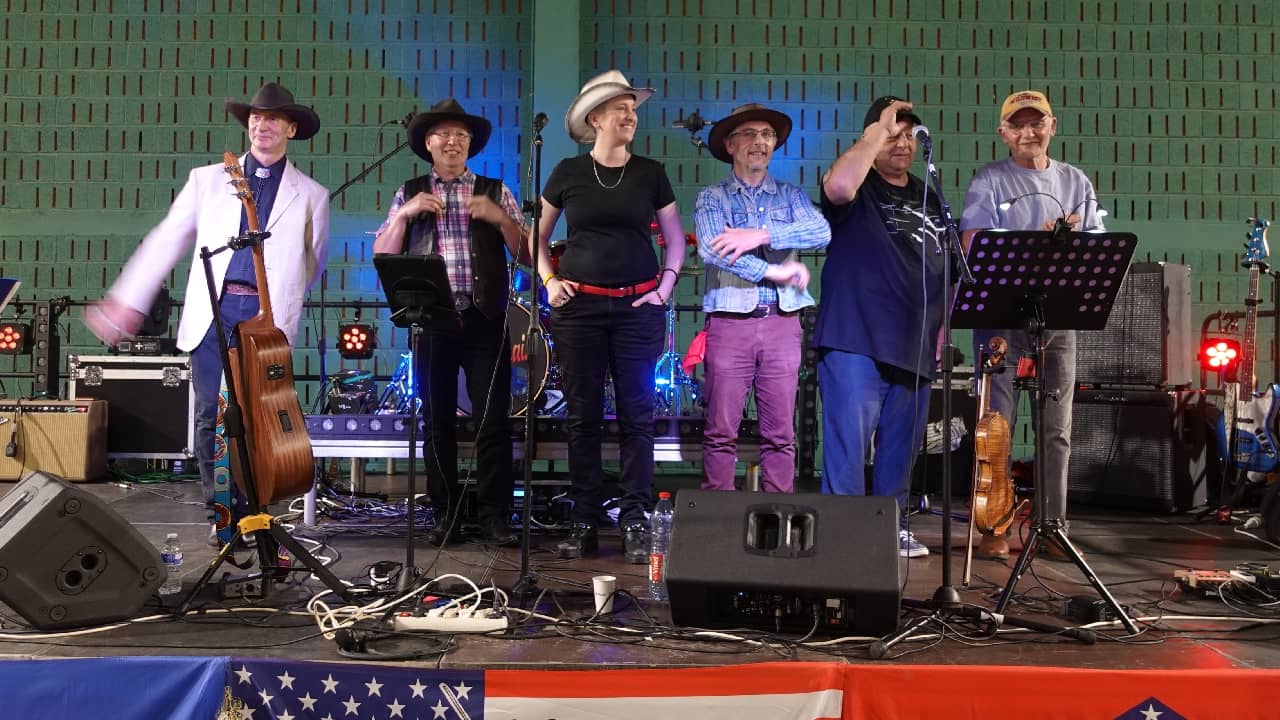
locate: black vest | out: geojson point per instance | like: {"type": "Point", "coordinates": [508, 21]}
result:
{"type": "Point", "coordinates": [488, 249]}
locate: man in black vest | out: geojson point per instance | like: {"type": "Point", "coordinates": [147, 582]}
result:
{"type": "Point", "coordinates": [473, 222]}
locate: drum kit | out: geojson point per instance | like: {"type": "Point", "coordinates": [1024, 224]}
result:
{"type": "Point", "coordinates": [675, 393]}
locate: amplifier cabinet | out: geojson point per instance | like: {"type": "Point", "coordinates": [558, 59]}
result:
{"type": "Point", "coordinates": [67, 438]}
{"type": "Point", "coordinates": [150, 402]}
{"type": "Point", "coordinates": [1138, 449]}
{"type": "Point", "coordinates": [1147, 340]}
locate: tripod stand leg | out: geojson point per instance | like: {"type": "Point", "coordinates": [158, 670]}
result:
{"type": "Point", "coordinates": [321, 571]}
{"type": "Point", "coordinates": [218, 559]}
{"type": "Point", "coordinates": [1057, 534]}
{"type": "Point", "coordinates": [1019, 568]}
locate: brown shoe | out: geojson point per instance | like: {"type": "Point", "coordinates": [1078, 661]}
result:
{"type": "Point", "coordinates": [1051, 549]}
{"type": "Point", "coordinates": [992, 547]}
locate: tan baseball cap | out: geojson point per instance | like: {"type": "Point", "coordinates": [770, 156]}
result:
{"type": "Point", "coordinates": [1025, 99]}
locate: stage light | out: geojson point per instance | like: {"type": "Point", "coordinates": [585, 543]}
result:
{"type": "Point", "coordinates": [356, 341]}
{"type": "Point", "coordinates": [1219, 354]}
{"type": "Point", "coordinates": [13, 338]}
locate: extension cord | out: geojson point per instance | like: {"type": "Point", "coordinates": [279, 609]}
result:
{"type": "Point", "coordinates": [410, 623]}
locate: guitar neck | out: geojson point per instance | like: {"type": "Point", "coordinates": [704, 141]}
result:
{"type": "Point", "coordinates": [260, 274]}
{"type": "Point", "coordinates": [1249, 342]}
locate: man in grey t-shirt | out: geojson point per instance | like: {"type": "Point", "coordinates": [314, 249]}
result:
{"type": "Point", "coordinates": [1030, 191]}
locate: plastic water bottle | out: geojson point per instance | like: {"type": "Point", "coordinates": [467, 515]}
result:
{"type": "Point", "coordinates": [171, 553]}
{"type": "Point", "coordinates": [660, 545]}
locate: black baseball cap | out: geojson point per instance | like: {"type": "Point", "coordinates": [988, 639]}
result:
{"type": "Point", "coordinates": [877, 107]}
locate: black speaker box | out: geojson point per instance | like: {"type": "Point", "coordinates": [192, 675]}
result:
{"type": "Point", "coordinates": [784, 562]}
{"type": "Point", "coordinates": [67, 560]}
{"type": "Point", "coordinates": [1147, 340]}
{"type": "Point", "coordinates": [1138, 449]}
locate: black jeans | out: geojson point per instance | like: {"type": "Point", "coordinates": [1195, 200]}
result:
{"type": "Point", "coordinates": [594, 335]}
{"type": "Point", "coordinates": [479, 347]}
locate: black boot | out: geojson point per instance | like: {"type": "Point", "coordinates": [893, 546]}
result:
{"type": "Point", "coordinates": [582, 540]}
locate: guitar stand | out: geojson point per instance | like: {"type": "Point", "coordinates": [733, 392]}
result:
{"type": "Point", "coordinates": [265, 529]}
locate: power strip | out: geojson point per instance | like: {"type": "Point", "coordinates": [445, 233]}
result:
{"type": "Point", "coordinates": [405, 622]}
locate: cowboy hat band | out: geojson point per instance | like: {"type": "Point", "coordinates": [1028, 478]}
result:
{"type": "Point", "coordinates": [780, 123]}
{"type": "Point", "coordinates": [596, 92]}
{"type": "Point", "coordinates": [447, 109]}
{"type": "Point", "coordinates": [274, 97]}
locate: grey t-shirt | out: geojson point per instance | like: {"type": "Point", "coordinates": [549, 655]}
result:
{"type": "Point", "coordinates": [1064, 190]}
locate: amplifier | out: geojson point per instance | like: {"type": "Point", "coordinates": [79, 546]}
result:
{"type": "Point", "coordinates": [67, 438]}
{"type": "Point", "coordinates": [1147, 340]}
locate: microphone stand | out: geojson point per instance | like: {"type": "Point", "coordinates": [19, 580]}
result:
{"type": "Point", "coordinates": [378, 163]}
{"type": "Point", "coordinates": [526, 586]}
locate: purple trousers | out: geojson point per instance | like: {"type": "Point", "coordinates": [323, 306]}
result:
{"type": "Point", "coordinates": [742, 353]}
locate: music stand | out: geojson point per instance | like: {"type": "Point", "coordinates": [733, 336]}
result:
{"type": "Point", "coordinates": [1045, 281]}
{"type": "Point", "coordinates": [418, 291]}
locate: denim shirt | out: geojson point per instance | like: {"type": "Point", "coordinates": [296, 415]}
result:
{"type": "Point", "coordinates": [794, 223]}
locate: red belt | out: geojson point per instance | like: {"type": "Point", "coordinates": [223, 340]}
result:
{"type": "Point", "coordinates": [628, 291]}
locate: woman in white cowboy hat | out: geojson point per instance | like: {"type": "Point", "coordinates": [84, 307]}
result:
{"type": "Point", "coordinates": [609, 300]}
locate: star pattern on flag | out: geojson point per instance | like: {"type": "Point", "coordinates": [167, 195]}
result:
{"type": "Point", "coordinates": [289, 690]}
{"type": "Point", "coordinates": [1150, 709]}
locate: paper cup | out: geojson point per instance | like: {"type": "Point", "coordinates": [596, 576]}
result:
{"type": "Point", "coordinates": [604, 585]}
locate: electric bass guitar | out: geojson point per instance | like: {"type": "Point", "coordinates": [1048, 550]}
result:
{"type": "Point", "coordinates": [1245, 437]}
{"type": "Point", "coordinates": [280, 456]}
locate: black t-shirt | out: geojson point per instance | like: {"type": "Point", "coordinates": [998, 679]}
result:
{"type": "Point", "coordinates": [871, 288]}
{"type": "Point", "coordinates": [609, 241]}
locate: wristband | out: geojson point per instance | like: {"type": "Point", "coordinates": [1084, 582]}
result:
{"type": "Point", "coordinates": [548, 278]}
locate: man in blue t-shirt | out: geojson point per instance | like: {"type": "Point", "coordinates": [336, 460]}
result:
{"type": "Point", "coordinates": [1029, 191]}
{"type": "Point", "coordinates": [882, 305]}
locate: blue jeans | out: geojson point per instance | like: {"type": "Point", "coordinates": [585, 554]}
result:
{"type": "Point", "coordinates": [1060, 380]}
{"type": "Point", "coordinates": [862, 399]}
{"type": "Point", "coordinates": [206, 379]}
{"type": "Point", "coordinates": [596, 335]}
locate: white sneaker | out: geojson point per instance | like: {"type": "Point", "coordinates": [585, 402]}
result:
{"type": "Point", "coordinates": [908, 547]}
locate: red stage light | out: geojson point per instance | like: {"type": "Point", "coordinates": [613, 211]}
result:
{"type": "Point", "coordinates": [356, 341]}
{"type": "Point", "coordinates": [13, 338]}
{"type": "Point", "coordinates": [1219, 354]}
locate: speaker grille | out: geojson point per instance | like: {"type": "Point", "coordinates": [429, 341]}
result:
{"type": "Point", "coordinates": [1147, 339]}
{"type": "Point", "coordinates": [1142, 450]}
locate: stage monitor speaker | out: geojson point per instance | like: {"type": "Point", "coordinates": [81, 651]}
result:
{"type": "Point", "coordinates": [785, 562]}
{"type": "Point", "coordinates": [67, 438]}
{"type": "Point", "coordinates": [1147, 340]}
{"type": "Point", "coordinates": [1138, 449]}
{"type": "Point", "coordinates": [68, 560]}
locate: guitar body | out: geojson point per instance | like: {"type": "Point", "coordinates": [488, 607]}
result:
{"type": "Point", "coordinates": [279, 445]}
{"type": "Point", "coordinates": [1254, 448]}
{"type": "Point", "coordinates": [279, 448]}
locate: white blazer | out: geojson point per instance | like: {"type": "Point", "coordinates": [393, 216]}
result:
{"type": "Point", "coordinates": [205, 214]}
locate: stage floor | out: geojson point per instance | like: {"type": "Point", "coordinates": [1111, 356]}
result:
{"type": "Point", "coordinates": [1134, 555]}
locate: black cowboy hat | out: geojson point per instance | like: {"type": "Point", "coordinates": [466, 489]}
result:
{"type": "Point", "coordinates": [274, 96]}
{"type": "Point", "coordinates": [746, 113]}
{"type": "Point", "coordinates": [447, 109]}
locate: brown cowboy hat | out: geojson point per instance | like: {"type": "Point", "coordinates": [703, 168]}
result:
{"type": "Point", "coordinates": [274, 96]}
{"type": "Point", "coordinates": [447, 109]}
{"type": "Point", "coordinates": [780, 123]}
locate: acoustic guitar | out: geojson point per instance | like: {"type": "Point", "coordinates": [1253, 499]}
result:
{"type": "Point", "coordinates": [262, 372]}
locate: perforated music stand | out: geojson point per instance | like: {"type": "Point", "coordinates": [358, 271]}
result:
{"type": "Point", "coordinates": [1045, 281]}
{"type": "Point", "coordinates": [418, 291]}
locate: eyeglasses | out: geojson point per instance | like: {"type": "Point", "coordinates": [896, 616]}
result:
{"type": "Point", "coordinates": [447, 135]}
{"type": "Point", "coordinates": [1037, 126]}
{"type": "Point", "coordinates": [767, 135]}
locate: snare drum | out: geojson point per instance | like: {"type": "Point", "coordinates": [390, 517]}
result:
{"type": "Point", "coordinates": [521, 382]}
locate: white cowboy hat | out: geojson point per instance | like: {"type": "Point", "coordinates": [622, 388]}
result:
{"type": "Point", "coordinates": [595, 92]}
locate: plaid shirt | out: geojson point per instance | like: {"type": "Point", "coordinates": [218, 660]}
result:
{"type": "Point", "coordinates": [453, 226]}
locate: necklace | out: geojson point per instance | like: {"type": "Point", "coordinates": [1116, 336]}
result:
{"type": "Point", "coordinates": [622, 174]}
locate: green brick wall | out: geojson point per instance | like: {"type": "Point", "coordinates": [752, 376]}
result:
{"type": "Point", "coordinates": [1170, 107]}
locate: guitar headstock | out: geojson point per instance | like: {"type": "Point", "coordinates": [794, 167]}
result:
{"type": "Point", "coordinates": [1255, 252]}
{"type": "Point", "coordinates": [231, 164]}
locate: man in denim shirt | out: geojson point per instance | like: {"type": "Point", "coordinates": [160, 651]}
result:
{"type": "Point", "coordinates": [750, 227]}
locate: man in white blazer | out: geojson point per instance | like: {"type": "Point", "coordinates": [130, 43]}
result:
{"type": "Point", "coordinates": [291, 206]}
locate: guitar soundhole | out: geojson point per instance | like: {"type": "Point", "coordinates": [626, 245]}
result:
{"type": "Point", "coordinates": [275, 372]}
{"type": "Point", "coordinates": [285, 423]}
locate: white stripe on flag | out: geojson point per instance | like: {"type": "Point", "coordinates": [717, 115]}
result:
{"type": "Point", "coordinates": [800, 706]}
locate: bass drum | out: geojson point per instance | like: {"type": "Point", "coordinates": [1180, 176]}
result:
{"type": "Point", "coordinates": [521, 381]}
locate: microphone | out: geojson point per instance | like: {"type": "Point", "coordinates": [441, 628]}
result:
{"type": "Point", "coordinates": [404, 121]}
{"type": "Point", "coordinates": [921, 134]}
{"type": "Point", "coordinates": [539, 122]}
